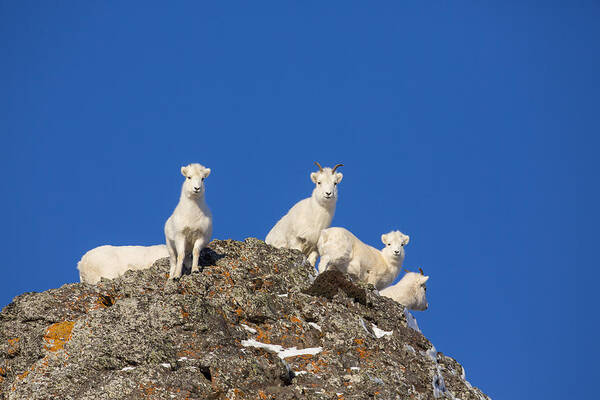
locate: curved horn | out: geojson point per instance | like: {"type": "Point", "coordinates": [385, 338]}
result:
{"type": "Point", "coordinates": [421, 271]}
{"type": "Point", "coordinates": [319, 165]}
{"type": "Point", "coordinates": [406, 270]}
{"type": "Point", "coordinates": [336, 167]}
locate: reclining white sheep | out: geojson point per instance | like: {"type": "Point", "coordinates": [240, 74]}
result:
{"type": "Point", "coordinates": [340, 249]}
{"type": "Point", "coordinates": [300, 228]}
{"type": "Point", "coordinates": [112, 261]}
{"type": "Point", "coordinates": [410, 291]}
{"type": "Point", "coordinates": [189, 228]}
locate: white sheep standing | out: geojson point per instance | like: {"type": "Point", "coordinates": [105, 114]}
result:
{"type": "Point", "coordinates": [300, 228]}
{"type": "Point", "coordinates": [410, 291]}
{"type": "Point", "coordinates": [112, 261]}
{"type": "Point", "coordinates": [340, 249]}
{"type": "Point", "coordinates": [190, 225]}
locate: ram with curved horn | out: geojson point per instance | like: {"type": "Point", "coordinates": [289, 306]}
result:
{"type": "Point", "coordinates": [300, 228]}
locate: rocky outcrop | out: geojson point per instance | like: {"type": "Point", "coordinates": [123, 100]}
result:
{"type": "Point", "coordinates": [254, 324]}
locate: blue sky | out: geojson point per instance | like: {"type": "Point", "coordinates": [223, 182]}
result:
{"type": "Point", "coordinates": [473, 128]}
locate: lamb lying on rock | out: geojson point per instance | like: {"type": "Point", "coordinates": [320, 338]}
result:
{"type": "Point", "coordinates": [410, 291]}
{"type": "Point", "coordinates": [112, 261]}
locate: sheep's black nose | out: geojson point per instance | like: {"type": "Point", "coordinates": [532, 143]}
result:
{"type": "Point", "coordinates": [328, 193]}
{"type": "Point", "coordinates": [196, 188]}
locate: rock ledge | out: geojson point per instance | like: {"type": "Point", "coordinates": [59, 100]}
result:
{"type": "Point", "coordinates": [254, 324]}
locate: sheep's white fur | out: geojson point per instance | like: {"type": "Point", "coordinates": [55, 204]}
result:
{"type": "Point", "coordinates": [410, 291]}
{"type": "Point", "coordinates": [189, 228]}
{"type": "Point", "coordinates": [112, 261]}
{"type": "Point", "coordinates": [340, 249]}
{"type": "Point", "coordinates": [300, 228]}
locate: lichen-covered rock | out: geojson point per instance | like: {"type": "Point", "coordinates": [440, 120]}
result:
{"type": "Point", "coordinates": [254, 324]}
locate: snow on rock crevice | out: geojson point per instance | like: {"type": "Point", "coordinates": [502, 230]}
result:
{"type": "Point", "coordinates": [249, 329]}
{"type": "Point", "coordinates": [281, 351]}
{"type": "Point", "coordinates": [317, 327]}
{"type": "Point", "coordinates": [411, 320]}
{"type": "Point", "coordinates": [379, 333]}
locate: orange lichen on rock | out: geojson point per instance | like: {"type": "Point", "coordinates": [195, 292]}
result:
{"type": "Point", "coordinates": [57, 335]}
{"type": "Point", "coordinates": [13, 347]}
{"type": "Point", "coordinates": [184, 313]}
{"type": "Point", "coordinates": [147, 389]}
{"type": "Point", "coordinates": [363, 352]}
{"type": "Point", "coordinates": [262, 336]}
{"type": "Point", "coordinates": [23, 375]}
{"type": "Point", "coordinates": [103, 301]}
{"type": "Point", "coordinates": [188, 353]}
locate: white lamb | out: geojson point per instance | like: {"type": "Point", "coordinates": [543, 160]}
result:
{"type": "Point", "coordinates": [112, 261]}
{"type": "Point", "coordinates": [410, 291]}
{"type": "Point", "coordinates": [189, 228]}
{"type": "Point", "coordinates": [300, 228]}
{"type": "Point", "coordinates": [340, 249]}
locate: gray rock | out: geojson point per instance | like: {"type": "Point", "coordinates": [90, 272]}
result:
{"type": "Point", "coordinates": [141, 336]}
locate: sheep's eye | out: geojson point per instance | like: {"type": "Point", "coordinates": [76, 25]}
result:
{"type": "Point", "coordinates": [189, 177]}
{"type": "Point", "coordinates": [334, 183]}
{"type": "Point", "coordinates": [203, 179]}
{"type": "Point", "coordinates": [389, 244]}
{"type": "Point", "coordinates": [318, 183]}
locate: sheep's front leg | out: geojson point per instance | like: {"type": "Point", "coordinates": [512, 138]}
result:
{"type": "Point", "coordinates": [198, 245]}
{"type": "Point", "coordinates": [312, 257]}
{"type": "Point", "coordinates": [172, 258]}
{"type": "Point", "coordinates": [180, 244]}
{"type": "Point", "coordinates": [323, 264]}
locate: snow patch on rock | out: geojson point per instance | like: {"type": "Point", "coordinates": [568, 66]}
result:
{"type": "Point", "coordinates": [379, 333]}
{"type": "Point", "coordinates": [317, 327]}
{"type": "Point", "coordinates": [411, 320]}
{"type": "Point", "coordinates": [249, 329]}
{"type": "Point", "coordinates": [281, 351]}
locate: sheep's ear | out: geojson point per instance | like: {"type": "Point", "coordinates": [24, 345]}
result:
{"type": "Point", "coordinates": [425, 279]}
{"type": "Point", "coordinates": [184, 171]}
{"type": "Point", "coordinates": [384, 239]}
{"type": "Point", "coordinates": [407, 239]}
{"type": "Point", "coordinates": [313, 177]}
{"type": "Point", "coordinates": [206, 172]}
{"type": "Point", "coordinates": [338, 177]}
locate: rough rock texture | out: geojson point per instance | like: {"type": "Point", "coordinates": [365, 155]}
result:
{"type": "Point", "coordinates": [206, 336]}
